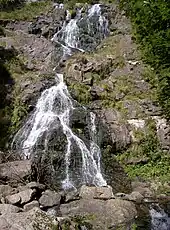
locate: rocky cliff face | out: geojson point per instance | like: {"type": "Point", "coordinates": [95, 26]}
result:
{"type": "Point", "coordinates": [108, 80]}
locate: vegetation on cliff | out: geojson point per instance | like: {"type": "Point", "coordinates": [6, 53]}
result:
{"type": "Point", "coordinates": [19, 10]}
{"type": "Point", "coordinates": [151, 26]}
{"type": "Point", "coordinates": [145, 158]}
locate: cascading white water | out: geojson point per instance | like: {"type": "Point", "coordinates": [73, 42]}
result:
{"type": "Point", "coordinates": [69, 36]}
{"type": "Point", "coordinates": [45, 116]}
{"type": "Point", "coordinates": [54, 107]}
{"type": "Point", "coordinates": [95, 151]}
{"type": "Point", "coordinates": [95, 10]}
{"type": "Point", "coordinates": [159, 219]}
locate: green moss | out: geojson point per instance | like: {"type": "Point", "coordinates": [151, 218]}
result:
{"type": "Point", "coordinates": [121, 108]}
{"type": "Point", "coordinates": [81, 92]}
{"type": "Point", "coordinates": [65, 226]}
{"type": "Point", "coordinates": [134, 227]}
{"type": "Point", "coordinates": [27, 11]}
{"type": "Point", "coordinates": [83, 221]}
{"type": "Point", "coordinates": [18, 113]}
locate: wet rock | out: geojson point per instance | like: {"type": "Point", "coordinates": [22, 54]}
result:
{"type": "Point", "coordinates": [15, 171]}
{"type": "Point", "coordinates": [13, 199]}
{"type": "Point", "coordinates": [31, 205]}
{"type": "Point", "coordinates": [8, 208]}
{"type": "Point", "coordinates": [33, 219]}
{"type": "Point", "coordinates": [49, 199]}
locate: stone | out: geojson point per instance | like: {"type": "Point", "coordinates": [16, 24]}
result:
{"type": "Point", "coordinates": [49, 199]}
{"type": "Point", "coordinates": [96, 192]}
{"type": "Point", "coordinates": [105, 214]}
{"type": "Point", "coordinates": [36, 185]}
{"type": "Point", "coordinates": [31, 205]}
{"type": "Point", "coordinates": [87, 192]}
{"type": "Point", "coordinates": [103, 193]}
{"type": "Point", "coordinates": [70, 196]}
{"type": "Point", "coordinates": [26, 195]}
{"type": "Point", "coordinates": [163, 131]}
{"type": "Point", "coordinates": [31, 220]}
{"type": "Point", "coordinates": [13, 199]}
{"type": "Point", "coordinates": [143, 189]}
{"type": "Point", "coordinates": [15, 171]}
{"type": "Point", "coordinates": [5, 190]}
{"type": "Point", "coordinates": [8, 208]}
{"type": "Point", "coordinates": [22, 188]}
{"type": "Point", "coordinates": [135, 196]}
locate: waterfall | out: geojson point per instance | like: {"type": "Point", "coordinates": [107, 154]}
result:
{"type": "Point", "coordinates": [71, 35]}
{"type": "Point", "coordinates": [159, 218]}
{"type": "Point", "coordinates": [53, 109]}
{"type": "Point", "coordinates": [95, 11]}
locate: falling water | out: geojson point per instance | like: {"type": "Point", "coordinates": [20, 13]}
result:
{"type": "Point", "coordinates": [159, 219]}
{"type": "Point", "coordinates": [55, 104]}
{"type": "Point", "coordinates": [69, 37]}
{"type": "Point", "coordinates": [53, 109]}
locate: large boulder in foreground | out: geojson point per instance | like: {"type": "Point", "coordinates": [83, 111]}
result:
{"type": "Point", "coordinates": [101, 214]}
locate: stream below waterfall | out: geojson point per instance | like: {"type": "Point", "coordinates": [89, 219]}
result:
{"type": "Point", "coordinates": [159, 218]}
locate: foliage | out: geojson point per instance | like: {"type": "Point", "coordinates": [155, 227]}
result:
{"type": "Point", "coordinates": [26, 11]}
{"type": "Point", "coordinates": [19, 111]}
{"type": "Point", "coordinates": [156, 167]}
{"type": "Point", "coordinates": [151, 24]}
{"type": "Point", "coordinates": [80, 92]}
